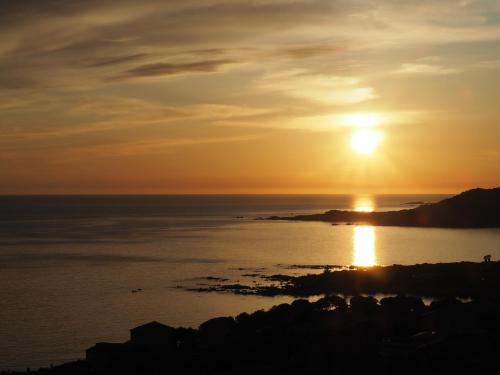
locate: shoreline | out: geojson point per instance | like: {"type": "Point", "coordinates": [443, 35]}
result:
{"type": "Point", "coordinates": [359, 333]}
{"type": "Point", "coordinates": [462, 279]}
{"type": "Point", "coordinates": [476, 208]}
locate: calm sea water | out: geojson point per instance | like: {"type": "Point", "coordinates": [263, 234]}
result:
{"type": "Point", "coordinates": [68, 264]}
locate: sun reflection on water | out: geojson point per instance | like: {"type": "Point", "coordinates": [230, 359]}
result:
{"type": "Point", "coordinates": [364, 246]}
{"type": "Point", "coordinates": [364, 203]}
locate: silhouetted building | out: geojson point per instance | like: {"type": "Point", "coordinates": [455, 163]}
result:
{"type": "Point", "coordinates": [149, 342]}
{"type": "Point", "coordinates": [155, 338]}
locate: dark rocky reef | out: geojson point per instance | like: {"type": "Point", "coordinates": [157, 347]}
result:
{"type": "Point", "coordinates": [463, 279]}
{"type": "Point", "coordinates": [396, 334]}
{"type": "Point", "coordinates": [476, 208]}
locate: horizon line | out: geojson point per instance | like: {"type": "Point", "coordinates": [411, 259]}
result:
{"type": "Point", "coordinates": [216, 194]}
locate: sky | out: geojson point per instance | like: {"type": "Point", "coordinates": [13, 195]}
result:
{"type": "Point", "coordinates": [263, 96]}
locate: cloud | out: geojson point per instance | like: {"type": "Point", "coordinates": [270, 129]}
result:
{"type": "Point", "coordinates": [105, 61]}
{"type": "Point", "coordinates": [486, 64]}
{"type": "Point", "coordinates": [161, 145]}
{"type": "Point", "coordinates": [75, 45]}
{"type": "Point", "coordinates": [335, 90]}
{"type": "Point", "coordinates": [306, 51]}
{"type": "Point", "coordinates": [426, 69]}
{"type": "Point", "coordinates": [93, 67]}
{"type": "Point", "coordinates": [165, 69]}
{"type": "Point", "coordinates": [110, 121]}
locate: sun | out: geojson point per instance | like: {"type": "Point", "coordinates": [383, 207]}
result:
{"type": "Point", "coordinates": [365, 141]}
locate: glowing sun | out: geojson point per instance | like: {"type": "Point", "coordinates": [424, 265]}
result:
{"type": "Point", "coordinates": [365, 141]}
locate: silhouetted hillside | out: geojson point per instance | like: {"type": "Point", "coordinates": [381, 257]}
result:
{"type": "Point", "coordinates": [330, 336]}
{"type": "Point", "coordinates": [476, 208]}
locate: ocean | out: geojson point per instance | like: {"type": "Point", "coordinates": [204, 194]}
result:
{"type": "Point", "coordinates": [76, 270]}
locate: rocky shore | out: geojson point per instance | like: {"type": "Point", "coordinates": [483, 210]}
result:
{"type": "Point", "coordinates": [462, 279]}
{"type": "Point", "coordinates": [333, 334]}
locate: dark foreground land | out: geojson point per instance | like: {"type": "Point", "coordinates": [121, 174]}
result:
{"type": "Point", "coordinates": [476, 208]}
{"type": "Point", "coordinates": [396, 334]}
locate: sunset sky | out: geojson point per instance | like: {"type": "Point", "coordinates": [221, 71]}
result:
{"type": "Point", "coordinates": [265, 96]}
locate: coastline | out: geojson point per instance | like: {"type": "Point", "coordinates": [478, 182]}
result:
{"type": "Point", "coordinates": [360, 333]}
{"type": "Point", "coordinates": [476, 208]}
{"type": "Point", "coordinates": [461, 279]}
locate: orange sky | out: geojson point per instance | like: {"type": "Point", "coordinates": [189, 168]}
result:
{"type": "Point", "coordinates": [220, 96]}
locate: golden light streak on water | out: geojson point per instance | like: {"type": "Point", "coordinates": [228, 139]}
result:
{"type": "Point", "coordinates": [364, 246]}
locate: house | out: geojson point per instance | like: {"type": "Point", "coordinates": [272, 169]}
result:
{"type": "Point", "coordinates": [156, 338]}
{"type": "Point", "coordinates": [148, 343]}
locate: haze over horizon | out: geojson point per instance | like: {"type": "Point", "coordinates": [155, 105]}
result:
{"type": "Point", "coordinates": [267, 96]}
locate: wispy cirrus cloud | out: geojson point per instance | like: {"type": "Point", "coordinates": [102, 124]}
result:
{"type": "Point", "coordinates": [426, 69]}
{"type": "Point", "coordinates": [106, 61]}
{"type": "Point", "coordinates": [166, 69]}
{"type": "Point", "coordinates": [335, 90]}
{"type": "Point", "coordinates": [51, 35]}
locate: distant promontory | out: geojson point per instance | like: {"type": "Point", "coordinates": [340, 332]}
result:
{"type": "Point", "coordinates": [476, 208]}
